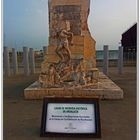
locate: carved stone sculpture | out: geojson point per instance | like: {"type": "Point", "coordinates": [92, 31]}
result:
{"type": "Point", "coordinates": [64, 41]}
{"type": "Point", "coordinates": [71, 57]}
{"type": "Point", "coordinates": [69, 66]}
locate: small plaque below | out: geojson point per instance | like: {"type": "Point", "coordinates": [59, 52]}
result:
{"type": "Point", "coordinates": [72, 116]}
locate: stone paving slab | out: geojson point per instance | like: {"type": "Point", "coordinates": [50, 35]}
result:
{"type": "Point", "coordinates": [104, 89]}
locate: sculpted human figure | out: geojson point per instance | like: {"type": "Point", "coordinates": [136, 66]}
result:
{"type": "Point", "coordinates": [65, 40]}
{"type": "Point", "coordinates": [42, 79]}
{"type": "Point", "coordinates": [54, 77]}
{"type": "Point", "coordinates": [80, 70]}
{"type": "Point", "coordinates": [66, 72]}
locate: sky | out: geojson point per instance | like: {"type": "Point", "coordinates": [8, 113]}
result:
{"type": "Point", "coordinates": [25, 22]}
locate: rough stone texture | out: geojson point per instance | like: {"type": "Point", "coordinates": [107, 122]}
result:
{"type": "Point", "coordinates": [105, 89]}
{"type": "Point", "coordinates": [74, 12]}
{"type": "Point", "coordinates": [70, 17]}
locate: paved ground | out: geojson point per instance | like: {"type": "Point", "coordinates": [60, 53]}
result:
{"type": "Point", "coordinates": [22, 118]}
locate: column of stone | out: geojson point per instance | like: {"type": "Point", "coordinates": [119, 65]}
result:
{"type": "Point", "coordinates": [6, 62]}
{"type": "Point", "coordinates": [105, 60]}
{"type": "Point", "coordinates": [32, 61]}
{"type": "Point", "coordinates": [14, 61]}
{"type": "Point", "coordinates": [26, 61]}
{"type": "Point", "coordinates": [120, 60]}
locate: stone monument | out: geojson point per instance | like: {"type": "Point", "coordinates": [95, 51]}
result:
{"type": "Point", "coordinates": [70, 58]}
{"type": "Point", "coordinates": [69, 66]}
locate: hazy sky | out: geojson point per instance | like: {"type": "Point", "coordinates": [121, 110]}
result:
{"type": "Point", "coordinates": [26, 22]}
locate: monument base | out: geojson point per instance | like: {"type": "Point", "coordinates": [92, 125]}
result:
{"type": "Point", "coordinates": [104, 89]}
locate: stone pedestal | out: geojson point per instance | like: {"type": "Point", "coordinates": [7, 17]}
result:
{"type": "Point", "coordinates": [69, 66]}
{"type": "Point", "coordinates": [104, 89]}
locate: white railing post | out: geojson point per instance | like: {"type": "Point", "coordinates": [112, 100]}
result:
{"type": "Point", "coordinates": [26, 61]}
{"type": "Point", "coordinates": [120, 60]}
{"type": "Point", "coordinates": [14, 61]}
{"type": "Point", "coordinates": [44, 50]}
{"type": "Point", "coordinates": [32, 61]}
{"type": "Point", "coordinates": [105, 60]}
{"type": "Point", "coordinates": [6, 62]}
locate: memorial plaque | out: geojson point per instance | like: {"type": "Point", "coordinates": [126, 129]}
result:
{"type": "Point", "coordinates": [70, 117]}
{"type": "Point", "coordinates": [72, 14]}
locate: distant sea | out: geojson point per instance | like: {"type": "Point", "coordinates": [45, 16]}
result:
{"type": "Point", "coordinates": [113, 54]}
